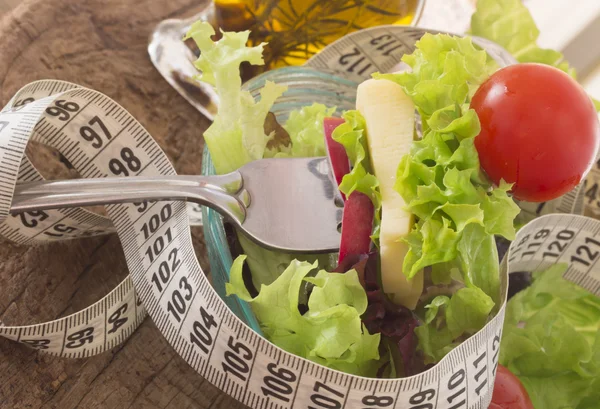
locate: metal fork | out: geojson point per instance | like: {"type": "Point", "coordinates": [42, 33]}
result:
{"type": "Point", "coordinates": [283, 204]}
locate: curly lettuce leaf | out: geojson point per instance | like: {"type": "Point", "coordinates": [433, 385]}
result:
{"type": "Point", "coordinates": [551, 341]}
{"type": "Point", "coordinates": [441, 180]}
{"type": "Point", "coordinates": [434, 342]}
{"type": "Point", "coordinates": [510, 24]}
{"type": "Point", "coordinates": [352, 135]}
{"type": "Point", "coordinates": [445, 70]}
{"type": "Point", "coordinates": [434, 306]}
{"type": "Point", "coordinates": [431, 242]}
{"type": "Point", "coordinates": [442, 183]}
{"type": "Point", "coordinates": [237, 134]}
{"type": "Point", "coordinates": [330, 332]}
{"type": "Point", "coordinates": [305, 127]}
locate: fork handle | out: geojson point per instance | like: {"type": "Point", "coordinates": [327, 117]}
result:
{"type": "Point", "coordinates": [224, 193]}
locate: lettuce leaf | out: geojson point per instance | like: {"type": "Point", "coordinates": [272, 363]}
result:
{"type": "Point", "coordinates": [442, 183]}
{"type": "Point", "coordinates": [266, 265]}
{"type": "Point", "coordinates": [467, 311]}
{"type": "Point", "coordinates": [352, 135]}
{"type": "Point", "coordinates": [305, 127]}
{"type": "Point", "coordinates": [510, 24]}
{"type": "Point", "coordinates": [237, 134]}
{"type": "Point", "coordinates": [478, 257]}
{"type": "Point", "coordinates": [551, 341]}
{"type": "Point", "coordinates": [435, 342]}
{"type": "Point", "coordinates": [330, 332]}
{"type": "Point", "coordinates": [448, 319]}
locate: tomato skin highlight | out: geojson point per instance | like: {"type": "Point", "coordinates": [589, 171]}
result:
{"type": "Point", "coordinates": [539, 130]}
{"type": "Point", "coordinates": [509, 393]}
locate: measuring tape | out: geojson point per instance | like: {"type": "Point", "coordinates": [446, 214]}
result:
{"type": "Point", "coordinates": [101, 139]}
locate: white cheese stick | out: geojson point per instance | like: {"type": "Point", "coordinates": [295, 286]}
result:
{"type": "Point", "coordinates": [390, 118]}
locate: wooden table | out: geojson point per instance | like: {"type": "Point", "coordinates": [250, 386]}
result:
{"type": "Point", "coordinates": [7, 5]}
{"type": "Point", "coordinates": [99, 44]}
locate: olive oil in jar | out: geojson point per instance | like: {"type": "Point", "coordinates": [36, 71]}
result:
{"type": "Point", "coordinates": [297, 29]}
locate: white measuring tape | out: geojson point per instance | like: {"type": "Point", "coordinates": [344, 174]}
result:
{"type": "Point", "coordinates": [101, 139]}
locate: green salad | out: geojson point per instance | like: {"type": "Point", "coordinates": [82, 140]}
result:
{"type": "Point", "coordinates": [418, 270]}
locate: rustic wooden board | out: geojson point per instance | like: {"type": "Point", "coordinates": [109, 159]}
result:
{"type": "Point", "coordinates": [99, 44]}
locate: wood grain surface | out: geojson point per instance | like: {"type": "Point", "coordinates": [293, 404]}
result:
{"type": "Point", "coordinates": [7, 5]}
{"type": "Point", "coordinates": [99, 44]}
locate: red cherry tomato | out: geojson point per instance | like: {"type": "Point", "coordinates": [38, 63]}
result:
{"type": "Point", "coordinates": [508, 392]}
{"type": "Point", "coordinates": [539, 130]}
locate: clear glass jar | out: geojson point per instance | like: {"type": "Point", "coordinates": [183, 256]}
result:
{"type": "Point", "coordinates": [305, 87]}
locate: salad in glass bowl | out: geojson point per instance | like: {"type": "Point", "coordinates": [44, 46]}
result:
{"type": "Point", "coordinates": [425, 196]}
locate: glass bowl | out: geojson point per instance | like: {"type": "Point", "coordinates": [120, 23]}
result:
{"type": "Point", "coordinates": [305, 87]}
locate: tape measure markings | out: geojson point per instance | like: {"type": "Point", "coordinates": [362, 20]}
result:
{"type": "Point", "coordinates": [94, 308]}
{"type": "Point", "coordinates": [111, 308]}
{"type": "Point", "coordinates": [115, 137]}
{"type": "Point", "coordinates": [518, 248]}
{"type": "Point", "coordinates": [363, 56]}
{"type": "Point", "coordinates": [580, 233]}
{"type": "Point", "coordinates": [537, 245]}
{"type": "Point", "coordinates": [393, 54]}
